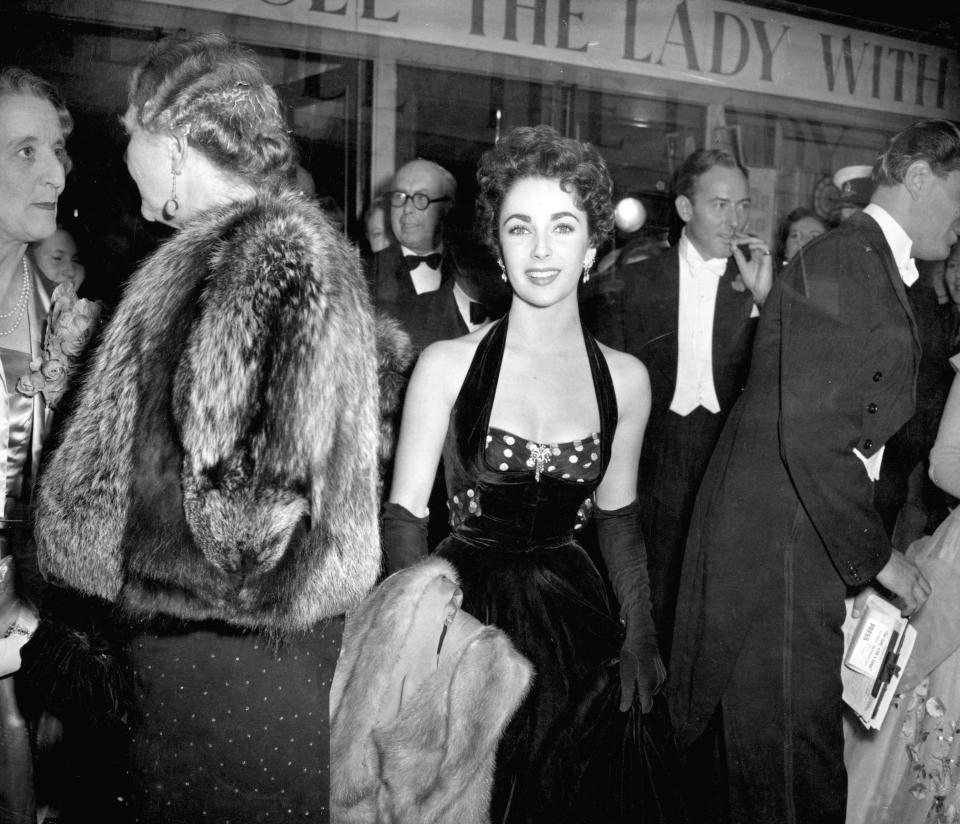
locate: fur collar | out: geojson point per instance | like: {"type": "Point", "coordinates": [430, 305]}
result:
{"type": "Point", "coordinates": [432, 761]}
{"type": "Point", "coordinates": [221, 461]}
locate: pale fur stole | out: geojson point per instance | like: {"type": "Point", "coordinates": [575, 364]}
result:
{"type": "Point", "coordinates": [433, 761]}
{"type": "Point", "coordinates": [221, 461]}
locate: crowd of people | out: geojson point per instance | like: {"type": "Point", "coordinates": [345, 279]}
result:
{"type": "Point", "coordinates": [420, 531]}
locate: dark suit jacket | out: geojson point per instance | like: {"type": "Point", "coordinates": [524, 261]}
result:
{"type": "Point", "coordinates": [389, 277]}
{"type": "Point", "coordinates": [833, 368]}
{"type": "Point", "coordinates": [644, 323]}
{"type": "Point", "coordinates": [432, 316]}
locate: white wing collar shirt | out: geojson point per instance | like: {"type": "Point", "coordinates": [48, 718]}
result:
{"type": "Point", "coordinates": [901, 245]}
{"type": "Point", "coordinates": [426, 278]}
{"type": "Point", "coordinates": [699, 279]}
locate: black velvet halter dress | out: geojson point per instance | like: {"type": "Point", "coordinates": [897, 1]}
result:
{"type": "Point", "coordinates": [515, 507]}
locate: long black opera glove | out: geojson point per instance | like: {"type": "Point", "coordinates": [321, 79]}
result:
{"type": "Point", "coordinates": [621, 544]}
{"type": "Point", "coordinates": [404, 537]}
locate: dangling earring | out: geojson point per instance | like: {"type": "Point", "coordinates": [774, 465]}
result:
{"type": "Point", "coordinates": [503, 270]}
{"type": "Point", "coordinates": [172, 205]}
{"type": "Point", "coordinates": [587, 264]}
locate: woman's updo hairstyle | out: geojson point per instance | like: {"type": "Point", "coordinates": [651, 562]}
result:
{"type": "Point", "coordinates": [540, 151]}
{"type": "Point", "coordinates": [216, 94]}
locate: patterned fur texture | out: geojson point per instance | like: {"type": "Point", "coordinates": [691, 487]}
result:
{"type": "Point", "coordinates": [432, 762]}
{"type": "Point", "coordinates": [222, 458]}
{"type": "Point", "coordinates": [397, 356]}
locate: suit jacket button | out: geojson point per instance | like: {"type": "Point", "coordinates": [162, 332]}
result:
{"type": "Point", "coordinates": [872, 408]}
{"type": "Point", "coordinates": [877, 377]}
{"type": "Point", "coordinates": [868, 444]}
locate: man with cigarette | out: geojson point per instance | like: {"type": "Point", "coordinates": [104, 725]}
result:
{"type": "Point", "coordinates": [785, 525]}
{"type": "Point", "coordinates": [689, 315]}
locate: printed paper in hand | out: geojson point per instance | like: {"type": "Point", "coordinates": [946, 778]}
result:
{"type": "Point", "coordinates": [877, 646]}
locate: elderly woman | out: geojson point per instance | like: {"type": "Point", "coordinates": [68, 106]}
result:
{"type": "Point", "coordinates": [34, 126]}
{"type": "Point", "coordinates": [540, 427]}
{"type": "Point", "coordinates": [218, 479]}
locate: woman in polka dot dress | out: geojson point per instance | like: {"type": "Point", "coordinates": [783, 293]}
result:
{"type": "Point", "coordinates": [540, 428]}
{"type": "Point", "coordinates": [218, 479]}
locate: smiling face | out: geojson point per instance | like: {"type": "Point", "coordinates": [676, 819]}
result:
{"type": "Point", "coordinates": [801, 232]}
{"type": "Point", "coordinates": [717, 212]}
{"type": "Point", "coordinates": [58, 259]}
{"type": "Point", "coordinates": [32, 157]}
{"type": "Point", "coordinates": [544, 240]}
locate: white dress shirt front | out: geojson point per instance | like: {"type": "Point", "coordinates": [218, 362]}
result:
{"type": "Point", "coordinates": [699, 279]}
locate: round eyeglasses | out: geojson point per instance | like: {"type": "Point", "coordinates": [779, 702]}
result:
{"type": "Point", "coordinates": [421, 200]}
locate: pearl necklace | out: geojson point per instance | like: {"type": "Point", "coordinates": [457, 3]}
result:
{"type": "Point", "coordinates": [20, 306]}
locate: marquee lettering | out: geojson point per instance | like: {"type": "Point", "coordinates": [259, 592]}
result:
{"type": "Point", "coordinates": [681, 17]}
{"type": "Point", "coordinates": [539, 9]}
{"type": "Point", "coordinates": [324, 7]}
{"type": "Point", "coordinates": [850, 62]}
{"type": "Point", "coordinates": [766, 52]}
{"type": "Point", "coordinates": [369, 12]}
{"type": "Point", "coordinates": [713, 39]}
{"type": "Point", "coordinates": [563, 28]}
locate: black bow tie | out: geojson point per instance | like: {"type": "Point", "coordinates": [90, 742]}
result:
{"type": "Point", "coordinates": [478, 312]}
{"type": "Point", "coordinates": [432, 260]}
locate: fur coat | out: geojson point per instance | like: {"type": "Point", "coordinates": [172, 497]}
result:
{"type": "Point", "coordinates": [431, 761]}
{"type": "Point", "coordinates": [221, 459]}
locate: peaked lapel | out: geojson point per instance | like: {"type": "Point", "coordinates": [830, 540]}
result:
{"type": "Point", "coordinates": [658, 307]}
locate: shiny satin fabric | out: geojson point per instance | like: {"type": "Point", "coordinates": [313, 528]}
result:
{"type": "Point", "coordinates": [16, 760]}
{"type": "Point", "coordinates": [20, 415]}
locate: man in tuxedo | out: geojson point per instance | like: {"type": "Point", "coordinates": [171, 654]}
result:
{"type": "Point", "coordinates": [472, 296]}
{"type": "Point", "coordinates": [469, 298]}
{"type": "Point", "coordinates": [420, 196]}
{"type": "Point", "coordinates": [785, 522]}
{"type": "Point", "coordinates": [689, 315]}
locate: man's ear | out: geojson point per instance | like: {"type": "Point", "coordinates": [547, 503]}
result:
{"type": "Point", "coordinates": [684, 208]}
{"type": "Point", "coordinates": [917, 178]}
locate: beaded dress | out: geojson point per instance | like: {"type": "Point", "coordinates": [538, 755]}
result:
{"type": "Point", "coordinates": [515, 507]}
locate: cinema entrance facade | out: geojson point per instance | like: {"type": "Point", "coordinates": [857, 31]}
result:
{"type": "Point", "coordinates": [370, 84]}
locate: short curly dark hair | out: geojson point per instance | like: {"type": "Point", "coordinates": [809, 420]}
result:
{"type": "Point", "coordinates": [216, 93]}
{"type": "Point", "coordinates": [540, 151]}
{"type": "Point", "coordinates": [699, 163]}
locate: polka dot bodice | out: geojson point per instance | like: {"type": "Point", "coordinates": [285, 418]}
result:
{"type": "Point", "coordinates": [506, 493]}
{"type": "Point", "coordinates": [577, 460]}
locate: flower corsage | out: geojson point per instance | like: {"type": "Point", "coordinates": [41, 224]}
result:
{"type": "Point", "coordinates": [70, 327]}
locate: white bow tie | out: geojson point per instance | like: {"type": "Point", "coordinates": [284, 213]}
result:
{"type": "Point", "coordinates": [715, 266]}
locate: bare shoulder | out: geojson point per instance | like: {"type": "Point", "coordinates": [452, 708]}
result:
{"type": "Point", "coordinates": [625, 368]}
{"type": "Point", "coordinates": [444, 364]}
{"type": "Point", "coordinates": [630, 379]}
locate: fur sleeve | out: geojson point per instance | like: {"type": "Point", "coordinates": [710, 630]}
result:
{"type": "Point", "coordinates": [396, 358]}
{"type": "Point", "coordinates": [251, 491]}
